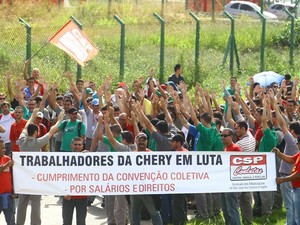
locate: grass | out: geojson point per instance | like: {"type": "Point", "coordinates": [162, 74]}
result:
{"type": "Point", "coordinates": [142, 42]}
{"type": "Point", "coordinates": [277, 218]}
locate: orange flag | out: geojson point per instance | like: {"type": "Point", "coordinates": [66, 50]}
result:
{"type": "Point", "coordinates": [74, 42]}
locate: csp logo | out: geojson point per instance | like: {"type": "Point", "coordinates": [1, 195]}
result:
{"type": "Point", "coordinates": [248, 167]}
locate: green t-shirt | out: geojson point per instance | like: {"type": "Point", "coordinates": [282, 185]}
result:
{"type": "Point", "coordinates": [268, 141]}
{"type": "Point", "coordinates": [27, 114]}
{"type": "Point", "coordinates": [151, 141]}
{"type": "Point", "coordinates": [207, 137]}
{"type": "Point", "coordinates": [70, 132]}
{"type": "Point", "coordinates": [107, 142]}
{"type": "Point", "coordinates": [218, 145]}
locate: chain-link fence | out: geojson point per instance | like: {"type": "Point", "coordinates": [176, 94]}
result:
{"type": "Point", "coordinates": [17, 45]}
{"type": "Point", "coordinates": [142, 44]}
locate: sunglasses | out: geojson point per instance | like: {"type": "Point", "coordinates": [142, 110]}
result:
{"type": "Point", "coordinates": [225, 135]}
{"type": "Point", "coordinates": [2, 98]}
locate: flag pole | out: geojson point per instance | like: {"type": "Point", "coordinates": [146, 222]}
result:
{"type": "Point", "coordinates": [39, 50]}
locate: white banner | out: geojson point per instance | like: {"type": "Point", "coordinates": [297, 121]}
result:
{"type": "Point", "coordinates": [142, 172]}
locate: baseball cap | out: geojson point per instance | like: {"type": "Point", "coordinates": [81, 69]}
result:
{"type": "Point", "coordinates": [164, 87]}
{"type": "Point", "coordinates": [95, 101]}
{"type": "Point", "coordinates": [141, 135]}
{"type": "Point", "coordinates": [68, 95]}
{"type": "Point", "coordinates": [121, 84]}
{"type": "Point", "coordinates": [40, 115]}
{"type": "Point", "coordinates": [72, 110]}
{"type": "Point", "coordinates": [89, 91]}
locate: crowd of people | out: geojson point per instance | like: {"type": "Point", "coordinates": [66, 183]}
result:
{"type": "Point", "coordinates": [150, 116]}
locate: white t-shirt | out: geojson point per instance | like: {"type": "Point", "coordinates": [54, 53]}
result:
{"type": "Point", "coordinates": [6, 121]}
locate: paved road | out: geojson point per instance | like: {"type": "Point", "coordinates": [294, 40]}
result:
{"type": "Point", "coordinates": [52, 208]}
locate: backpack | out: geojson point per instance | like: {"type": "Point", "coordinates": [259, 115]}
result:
{"type": "Point", "coordinates": [65, 124]}
{"type": "Point", "coordinates": [281, 145]}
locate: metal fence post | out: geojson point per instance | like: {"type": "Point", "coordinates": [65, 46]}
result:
{"type": "Point", "coordinates": [28, 42]}
{"type": "Point", "coordinates": [213, 10]}
{"type": "Point", "coordinates": [291, 37]}
{"type": "Point", "coordinates": [263, 40]}
{"type": "Point", "coordinates": [79, 71]}
{"type": "Point", "coordinates": [230, 44]}
{"type": "Point", "coordinates": [197, 47]}
{"type": "Point", "coordinates": [231, 47]}
{"type": "Point", "coordinates": [162, 46]}
{"type": "Point", "coordinates": [122, 47]}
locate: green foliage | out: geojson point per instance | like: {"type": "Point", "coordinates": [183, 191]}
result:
{"type": "Point", "coordinates": [276, 218]}
{"type": "Point", "coordinates": [283, 39]}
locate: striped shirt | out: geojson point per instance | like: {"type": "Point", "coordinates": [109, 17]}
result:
{"type": "Point", "coordinates": [247, 142]}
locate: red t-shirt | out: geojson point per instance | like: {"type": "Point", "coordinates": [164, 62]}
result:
{"type": "Point", "coordinates": [182, 149]}
{"type": "Point", "coordinates": [233, 148]}
{"type": "Point", "coordinates": [130, 127]}
{"type": "Point", "coordinates": [259, 133]}
{"type": "Point", "coordinates": [41, 89]}
{"type": "Point", "coordinates": [5, 177]}
{"type": "Point", "coordinates": [296, 169]}
{"type": "Point", "coordinates": [15, 132]}
{"type": "Point", "coordinates": [78, 197]}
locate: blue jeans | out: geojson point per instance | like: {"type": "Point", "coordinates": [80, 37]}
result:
{"type": "Point", "coordinates": [8, 149]}
{"type": "Point", "coordinates": [287, 196]}
{"type": "Point", "coordinates": [230, 207]}
{"type": "Point", "coordinates": [136, 206]}
{"type": "Point", "coordinates": [9, 212]}
{"type": "Point", "coordinates": [166, 208]}
{"type": "Point", "coordinates": [204, 203]}
{"type": "Point", "coordinates": [296, 202]}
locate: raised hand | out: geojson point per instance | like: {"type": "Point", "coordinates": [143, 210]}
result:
{"type": "Point", "coordinates": [251, 80]}
{"type": "Point", "coordinates": [140, 80]}
{"type": "Point", "coordinates": [213, 95]}
{"type": "Point", "coordinates": [108, 96]}
{"type": "Point", "coordinates": [106, 118]}
{"type": "Point", "coordinates": [27, 62]}
{"type": "Point", "coordinates": [61, 115]}
{"type": "Point", "coordinates": [151, 72]}
{"type": "Point", "coordinates": [125, 87]}
{"type": "Point", "coordinates": [100, 91]}
{"type": "Point", "coordinates": [296, 81]}
{"type": "Point", "coordinates": [68, 75]}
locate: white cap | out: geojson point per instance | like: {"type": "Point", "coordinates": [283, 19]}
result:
{"type": "Point", "coordinates": [40, 114]}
